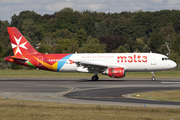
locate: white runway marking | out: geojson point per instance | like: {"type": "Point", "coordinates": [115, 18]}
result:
{"type": "Point", "coordinates": [171, 82]}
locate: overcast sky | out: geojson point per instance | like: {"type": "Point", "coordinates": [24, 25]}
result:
{"type": "Point", "coordinates": [10, 7]}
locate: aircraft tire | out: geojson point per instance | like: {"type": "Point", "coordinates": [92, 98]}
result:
{"type": "Point", "coordinates": [95, 78]}
{"type": "Point", "coordinates": [153, 78]}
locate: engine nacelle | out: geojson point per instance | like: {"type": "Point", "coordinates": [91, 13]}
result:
{"type": "Point", "coordinates": [115, 72]}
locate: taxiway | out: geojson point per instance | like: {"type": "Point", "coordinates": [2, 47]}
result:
{"type": "Point", "coordinates": [85, 91]}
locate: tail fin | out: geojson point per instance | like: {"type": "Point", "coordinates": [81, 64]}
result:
{"type": "Point", "coordinates": [19, 43]}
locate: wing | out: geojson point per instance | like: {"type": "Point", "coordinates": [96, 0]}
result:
{"type": "Point", "coordinates": [92, 67]}
{"type": "Point", "coordinates": [89, 64]}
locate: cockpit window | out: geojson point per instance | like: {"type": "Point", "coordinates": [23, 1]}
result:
{"type": "Point", "coordinates": [163, 59]}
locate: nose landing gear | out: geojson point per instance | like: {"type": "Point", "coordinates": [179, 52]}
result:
{"type": "Point", "coordinates": [153, 78]}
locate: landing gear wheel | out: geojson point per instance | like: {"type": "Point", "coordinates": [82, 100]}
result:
{"type": "Point", "coordinates": [153, 78]}
{"type": "Point", "coordinates": [95, 78]}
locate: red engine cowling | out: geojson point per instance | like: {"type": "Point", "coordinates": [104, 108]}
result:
{"type": "Point", "coordinates": [116, 72]}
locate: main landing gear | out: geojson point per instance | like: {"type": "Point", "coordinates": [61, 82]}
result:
{"type": "Point", "coordinates": [153, 78]}
{"type": "Point", "coordinates": [95, 77]}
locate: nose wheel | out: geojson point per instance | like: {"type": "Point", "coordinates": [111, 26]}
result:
{"type": "Point", "coordinates": [153, 78]}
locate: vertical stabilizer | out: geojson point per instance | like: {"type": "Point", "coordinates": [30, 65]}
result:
{"type": "Point", "coordinates": [19, 43]}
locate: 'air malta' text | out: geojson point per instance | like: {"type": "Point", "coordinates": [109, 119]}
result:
{"type": "Point", "coordinates": [130, 59]}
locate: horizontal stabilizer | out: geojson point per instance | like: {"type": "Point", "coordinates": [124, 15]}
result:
{"type": "Point", "coordinates": [19, 58]}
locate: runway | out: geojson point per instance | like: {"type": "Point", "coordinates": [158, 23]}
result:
{"type": "Point", "coordinates": [85, 91]}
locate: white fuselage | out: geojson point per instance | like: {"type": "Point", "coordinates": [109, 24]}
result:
{"type": "Point", "coordinates": [131, 62]}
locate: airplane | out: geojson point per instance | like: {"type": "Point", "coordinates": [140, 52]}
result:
{"type": "Point", "coordinates": [114, 65]}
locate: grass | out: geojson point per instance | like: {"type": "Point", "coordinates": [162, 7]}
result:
{"type": "Point", "coordinates": [40, 74]}
{"type": "Point", "coordinates": [170, 95]}
{"type": "Point", "coordinates": [20, 110]}
{"type": "Point", "coordinates": [8, 73]}
{"type": "Point", "coordinates": [158, 74]}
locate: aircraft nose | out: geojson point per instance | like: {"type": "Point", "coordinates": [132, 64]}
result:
{"type": "Point", "coordinates": [173, 64]}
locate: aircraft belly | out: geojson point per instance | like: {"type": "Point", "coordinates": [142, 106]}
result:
{"type": "Point", "coordinates": [145, 68]}
{"type": "Point", "coordinates": [142, 67]}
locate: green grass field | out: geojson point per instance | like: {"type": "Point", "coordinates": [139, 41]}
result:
{"type": "Point", "coordinates": [170, 95]}
{"type": "Point", "coordinates": [8, 73]}
{"type": "Point", "coordinates": [29, 110]}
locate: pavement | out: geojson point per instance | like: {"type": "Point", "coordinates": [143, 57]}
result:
{"type": "Point", "coordinates": [84, 91]}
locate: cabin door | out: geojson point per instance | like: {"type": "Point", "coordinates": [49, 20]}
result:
{"type": "Point", "coordinates": [40, 61]}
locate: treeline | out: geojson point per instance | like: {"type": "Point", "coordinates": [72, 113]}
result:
{"type": "Point", "coordinates": [68, 31]}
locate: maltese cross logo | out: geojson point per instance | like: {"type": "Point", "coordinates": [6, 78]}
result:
{"type": "Point", "coordinates": [17, 46]}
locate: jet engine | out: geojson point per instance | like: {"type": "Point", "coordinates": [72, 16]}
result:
{"type": "Point", "coordinates": [115, 72]}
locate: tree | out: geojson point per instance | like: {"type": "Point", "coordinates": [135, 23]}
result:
{"type": "Point", "coordinates": [155, 41]}
{"type": "Point", "coordinates": [126, 46]}
{"type": "Point", "coordinates": [16, 66]}
{"type": "Point", "coordinates": [146, 49]}
{"type": "Point", "coordinates": [176, 26]}
{"type": "Point", "coordinates": [101, 29]}
{"type": "Point", "coordinates": [138, 32]}
{"type": "Point", "coordinates": [66, 19]}
{"type": "Point", "coordinates": [28, 15]}
{"type": "Point", "coordinates": [139, 44]}
{"type": "Point", "coordinates": [1, 51]}
{"type": "Point", "coordinates": [161, 21]}
{"type": "Point", "coordinates": [1, 24]}
{"type": "Point", "coordinates": [115, 27]}
{"type": "Point", "coordinates": [112, 42]}
{"type": "Point", "coordinates": [174, 56]}
{"type": "Point", "coordinates": [93, 46]}
{"type": "Point", "coordinates": [163, 49]}
{"type": "Point", "coordinates": [168, 32]}
{"type": "Point", "coordinates": [89, 26]}
{"type": "Point", "coordinates": [45, 48]}
{"type": "Point", "coordinates": [17, 20]}
{"type": "Point", "coordinates": [176, 45]}
{"type": "Point", "coordinates": [39, 32]}
{"type": "Point", "coordinates": [145, 40]}
{"type": "Point", "coordinates": [4, 39]}
{"type": "Point", "coordinates": [66, 46]}
{"type": "Point", "coordinates": [143, 19]}
{"type": "Point", "coordinates": [112, 29]}
{"type": "Point", "coordinates": [81, 36]}
{"type": "Point", "coordinates": [28, 28]}
{"type": "Point", "coordinates": [120, 49]}
{"type": "Point", "coordinates": [62, 33]}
